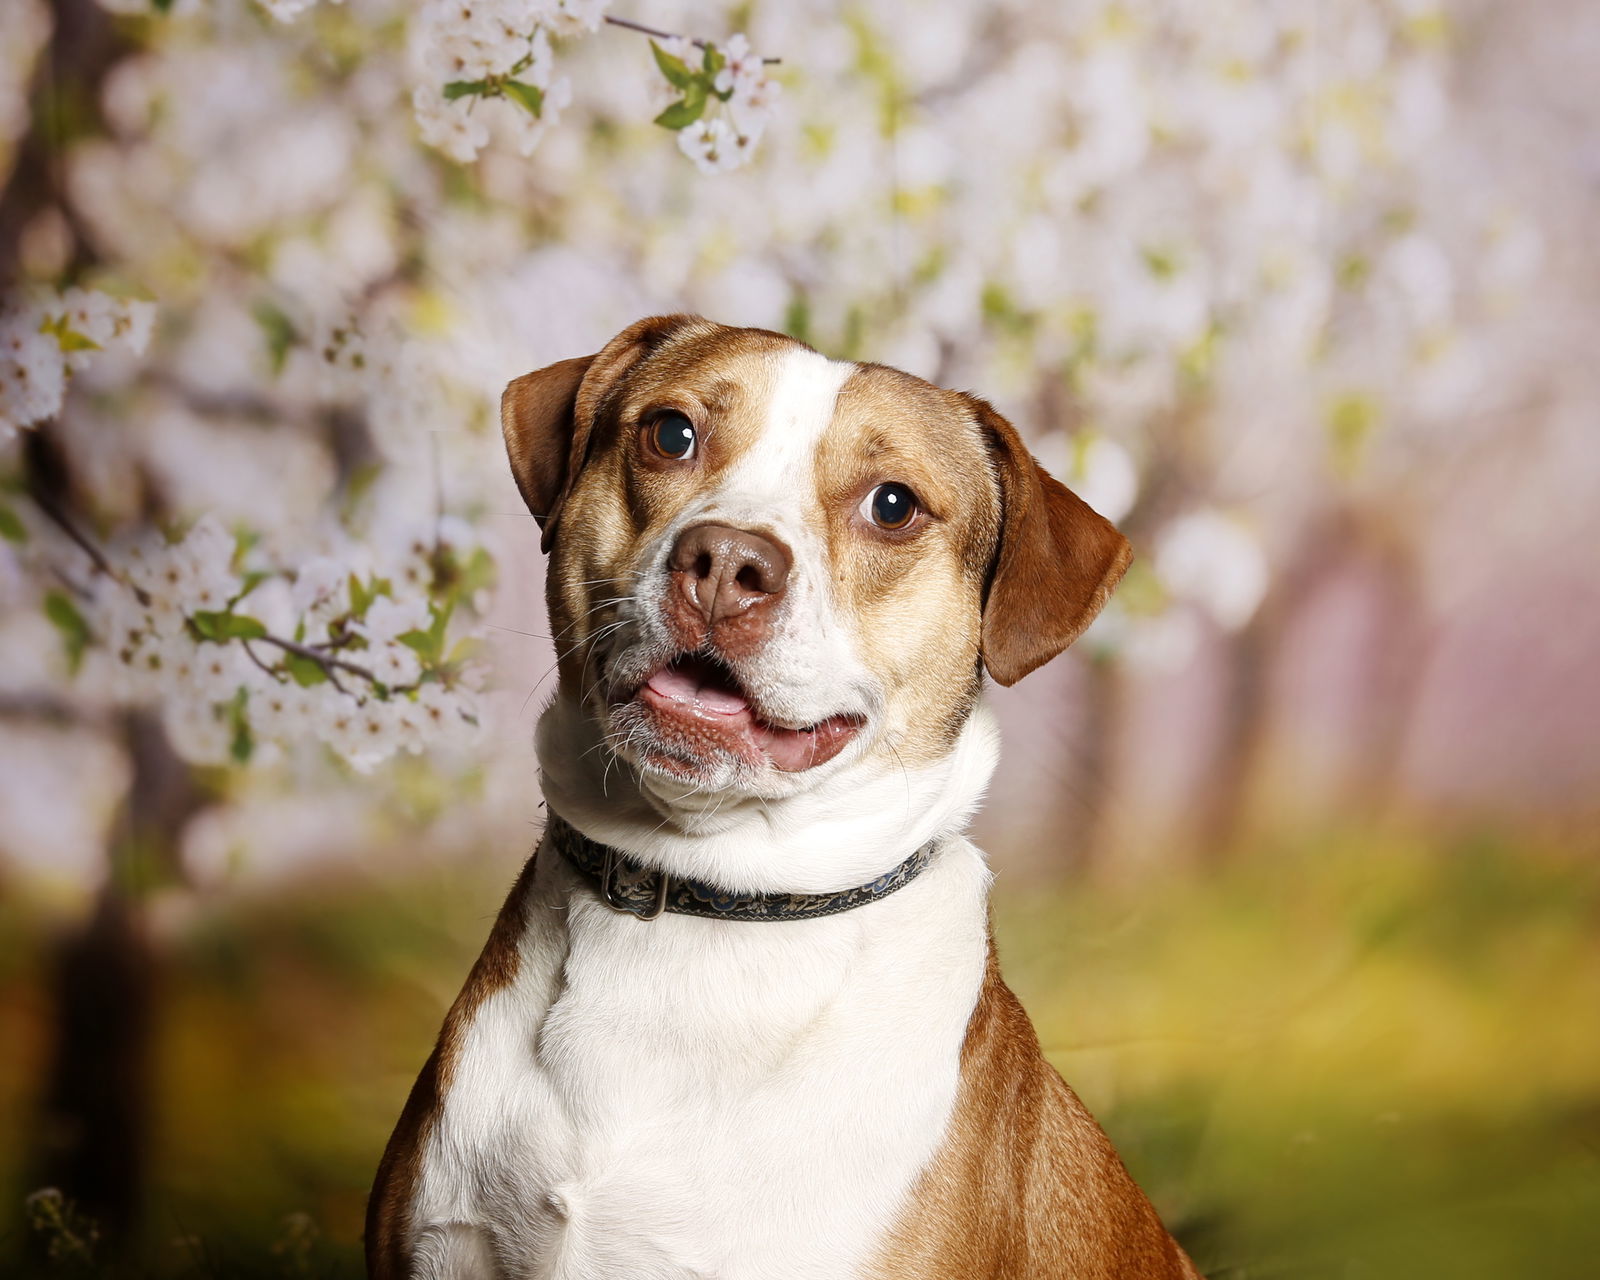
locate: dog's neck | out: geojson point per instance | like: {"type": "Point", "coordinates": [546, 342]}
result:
{"type": "Point", "coordinates": [856, 824]}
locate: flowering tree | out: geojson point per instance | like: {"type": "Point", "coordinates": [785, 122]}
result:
{"type": "Point", "coordinates": [243, 629]}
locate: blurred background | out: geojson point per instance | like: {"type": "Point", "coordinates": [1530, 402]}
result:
{"type": "Point", "coordinates": [1295, 850]}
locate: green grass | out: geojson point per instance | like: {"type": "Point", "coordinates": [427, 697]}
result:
{"type": "Point", "coordinates": [1342, 1059]}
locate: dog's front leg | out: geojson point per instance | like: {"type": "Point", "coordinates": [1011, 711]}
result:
{"type": "Point", "coordinates": [454, 1251]}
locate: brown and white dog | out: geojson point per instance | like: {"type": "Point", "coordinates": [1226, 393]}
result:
{"type": "Point", "coordinates": [775, 580]}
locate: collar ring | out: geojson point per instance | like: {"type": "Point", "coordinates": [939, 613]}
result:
{"type": "Point", "coordinates": [611, 892]}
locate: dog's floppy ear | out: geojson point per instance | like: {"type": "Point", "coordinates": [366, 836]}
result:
{"type": "Point", "coordinates": [548, 415]}
{"type": "Point", "coordinates": [542, 439]}
{"type": "Point", "coordinates": [1057, 562]}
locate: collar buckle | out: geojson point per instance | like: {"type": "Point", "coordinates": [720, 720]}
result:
{"type": "Point", "coordinates": [611, 892]}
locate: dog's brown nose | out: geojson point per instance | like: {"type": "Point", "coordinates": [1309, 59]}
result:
{"type": "Point", "coordinates": [727, 573]}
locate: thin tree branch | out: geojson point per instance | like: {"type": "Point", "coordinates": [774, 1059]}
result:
{"type": "Point", "coordinates": [57, 515]}
{"type": "Point", "coordinates": [325, 660]}
{"type": "Point", "coordinates": [255, 658]}
{"type": "Point", "coordinates": [631, 25]}
{"type": "Point", "coordinates": [43, 707]}
{"type": "Point", "coordinates": [312, 653]}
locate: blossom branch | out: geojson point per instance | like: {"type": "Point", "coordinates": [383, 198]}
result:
{"type": "Point", "coordinates": [323, 659]}
{"type": "Point", "coordinates": [262, 666]}
{"type": "Point", "coordinates": [630, 25]}
{"type": "Point", "coordinates": [329, 663]}
{"type": "Point", "coordinates": [57, 515]}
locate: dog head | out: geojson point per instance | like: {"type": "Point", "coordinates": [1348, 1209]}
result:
{"type": "Point", "coordinates": [766, 565]}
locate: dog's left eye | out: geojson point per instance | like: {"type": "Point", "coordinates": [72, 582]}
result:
{"type": "Point", "coordinates": [672, 436]}
{"type": "Point", "coordinates": [890, 506]}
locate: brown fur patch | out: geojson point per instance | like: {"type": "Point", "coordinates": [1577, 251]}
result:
{"type": "Point", "coordinates": [393, 1190]}
{"type": "Point", "coordinates": [915, 600]}
{"type": "Point", "coordinates": [1058, 562]}
{"type": "Point", "coordinates": [721, 379]}
{"type": "Point", "coordinates": [1026, 1185]}
{"type": "Point", "coordinates": [535, 413]}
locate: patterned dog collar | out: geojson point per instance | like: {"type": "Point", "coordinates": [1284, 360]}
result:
{"type": "Point", "coordinates": [644, 892]}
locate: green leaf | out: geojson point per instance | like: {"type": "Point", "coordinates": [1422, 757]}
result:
{"type": "Point", "coordinates": [243, 541]}
{"type": "Point", "coordinates": [361, 481]}
{"type": "Point", "coordinates": [527, 96]}
{"type": "Point", "coordinates": [1352, 419]}
{"type": "Point", "coordinates": [304, 671]}
{"type": "Point", "coordinates": [713, 62]}
{"type": "Point", "coordinates": [219, 626]}
{"type": "Point", "coordinates": [69, 622]}
{"type": "Point", "coordinates": [11, 528]}
{"type": "Point", "coordinates": [682, 114]}
{"type": "Point", "coordinates": [251, 581]}
{"type": "Point", "coordinates": [674, 68]}
{"type": "Point", "coordinates": [479, 573]}
{"type": "Point", "coordinates": [466, 649]}
{"type": "Point", "coordinates": [1162, 262]}
{"type": "Point", "coordinates": [363, 594]}
{"type": "Point", "coordinates": [421, 643]}
{"type": "Point", "coordinates": [465, 89]}
{"type": "Point", "coordinates": [797, 317]}
{"type": "Point", "coordinates": [72, 340]}
{"type": "Point", "coordinates": [441, 620]}
{"type": "Point", "coordinates": [241, 626]}
{"type": "Point", "coordinates": [429, 645]}
{"type": "Point", "coordinates": [242, 743]}
{"type": "Point", "coordinates": [162, 6]}
{"type": "Point", "coordinates": [67, 338]}
{"type": "Point", "coordinates": [279, 331]}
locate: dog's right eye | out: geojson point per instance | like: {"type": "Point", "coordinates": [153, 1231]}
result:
{"type": "Point", "coordinates": [672, 436]}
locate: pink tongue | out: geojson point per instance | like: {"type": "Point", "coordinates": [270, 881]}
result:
{"type": "Point", "coordinates": [685, 685]}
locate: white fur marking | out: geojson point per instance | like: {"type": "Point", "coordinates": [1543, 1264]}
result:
{"type": "Point", "coordinates": [712, 1099]}
{"type": "Point", "coordinates": [780, 467]}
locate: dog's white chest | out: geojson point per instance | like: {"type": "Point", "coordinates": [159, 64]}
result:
{"type": "Point", "coordinates": [698, 1098]}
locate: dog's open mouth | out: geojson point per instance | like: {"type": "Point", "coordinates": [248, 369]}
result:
{"type": "Point", "coordinates": [698, 707]}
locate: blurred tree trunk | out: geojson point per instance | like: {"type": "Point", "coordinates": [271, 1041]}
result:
{"type": "Point", "coordinates": [93, 1129]}
{"type": "Point", "coordinates": [93, 1122]}
{"type": "Point", "coordinates": [1233, 767]}
{"type": "Point", "coordinates": [1088, 790]}
{"type": "Point", "coordinates": [1235, 753]}
{"type": "Point", "coordinates": [96, 1106]}
{"type": "Point", "coordinates": [94, 1115]}
{"type": "Point", "coordinates": [1172, 480]}
{"type": "Point", "coordinates": [1397, 660]}
{"type": "Point", "coordinates": [65, 94]}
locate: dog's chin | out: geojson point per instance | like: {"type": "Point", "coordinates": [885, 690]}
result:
{"type": "Point", "coordinates": [692, 722]}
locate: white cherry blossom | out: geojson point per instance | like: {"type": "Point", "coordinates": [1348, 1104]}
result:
{"type": "Point", "coordinates": [32, 371]}
{"type": "Point", "coordinates": [711, 144]}
{"type": "Point", "coordinates": [1212, 560]}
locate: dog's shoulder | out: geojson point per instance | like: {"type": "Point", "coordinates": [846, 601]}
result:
{"type": "Point", "coordinates": [389, 1206]}
{"type": "Point", "coordinates": [1025, 1182]}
